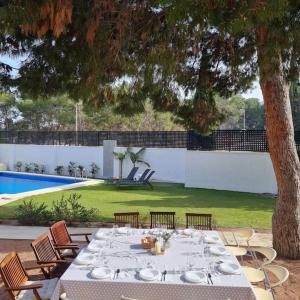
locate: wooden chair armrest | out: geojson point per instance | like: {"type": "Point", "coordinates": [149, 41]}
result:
{"type": "Point", "coordinates": [48, 263]}
{"type": "Point", "coordinates": [78, 234]}
{"type": "Point", "coordinates": [40, 266]}
{"type": "Point", "coordinates": [85, 234]}
{"type": "Point", "coordinates": [70, 246]}
{"type": "Point", "coordinates": [25, 287]}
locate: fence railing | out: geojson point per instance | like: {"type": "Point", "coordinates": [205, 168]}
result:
{"type": "Point", "coordinates": [228, 140]}
{"type": "Point", "coordinates": [160, 139]}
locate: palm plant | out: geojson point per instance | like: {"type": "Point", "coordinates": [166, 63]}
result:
{"type": "Point", "coordinates": [136, 157]}
{"type": "Point", "coordinates": [120, 156]}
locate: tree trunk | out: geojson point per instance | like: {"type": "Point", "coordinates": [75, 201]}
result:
{"type": "Point", "coordinates": [280, 132]}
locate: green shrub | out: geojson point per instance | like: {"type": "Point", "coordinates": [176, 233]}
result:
{"type": "Point", "coordinates": [31, 213]}
{"type": "Point", "coordinates": [70, 210]}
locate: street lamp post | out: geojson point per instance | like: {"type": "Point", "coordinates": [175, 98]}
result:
{"type": "Point", "coordinates": [77, 113]}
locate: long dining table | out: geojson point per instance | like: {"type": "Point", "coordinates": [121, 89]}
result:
{"type": "Point", "coordinates": [119, 252]}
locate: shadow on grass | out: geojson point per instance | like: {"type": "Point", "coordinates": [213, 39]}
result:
{"type": "Point", "coordinates": [176, 196]}
{"type": "Point", "coordinates": [172, 202]}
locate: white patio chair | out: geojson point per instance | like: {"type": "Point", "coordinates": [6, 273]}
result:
{"type": "Point", "coordinates": [245, 234]}
{"type": "Point", "coordinates": [280, 273]}
{"type": "Point", "coordinates": [257, 275]}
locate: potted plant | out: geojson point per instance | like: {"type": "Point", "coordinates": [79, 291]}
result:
{"type": "Point", "coordinates": [28, 168]}
{"type": "Point", "coordinates": [42, 169]}
{"type": "Point", "coordinates": [94, 170]}
{"type": "Point", "coordinates": [35, 167]}
{"type": "Point", "coordinates": [18, 166]}
{"type": "Point", "coordinates": [81, 170]}
{"type": "Point", "coordinates": [120, 156]}
{"type": "Point", "coordinates": [136, 157]}
{"type": "Point", "coordinates": [59, 170]}
{"type": "Point", "coordinates": [72, 168]}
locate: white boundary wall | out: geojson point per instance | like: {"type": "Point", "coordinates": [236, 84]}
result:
{"type": "Point", "coordinates": [168, 163]}
{"type": "Point", "coordinates": [235, 171]}
{"type": "Point", "coordinates": [51, 156]}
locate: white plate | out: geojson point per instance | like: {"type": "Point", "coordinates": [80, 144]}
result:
{"type": "Point", "coordinates": [84, 259]}
{"type": "Point", "coordinates": [195, 276]}
{"type": "Point", "coordinates": [101, 273]}
{"type": "Point", "coordinates": [229, 268]}
{"type": "Point", "coordinates": [100, 235]}
{"type": "Point", "coordinates": [188, 231]}
{"type": "Point", "coordinates": [211, 239]}
{"type": "Point", "coordinates": [149, 274]}
{"type": "Point", "coordinates": [218, 250]}
{"type": "Point", "coordinates": [155, 231]}
{"type": "Point", "coordinates": [95, 245]}
{"type": "Point", "coordinates": [122, 230]}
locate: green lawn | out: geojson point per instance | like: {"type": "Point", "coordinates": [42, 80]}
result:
{"type": "Point", "coordinates": [230, 209]}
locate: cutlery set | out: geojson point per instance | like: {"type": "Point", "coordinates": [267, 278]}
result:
{"type": "Point", "coordinates": [116, 274]}
{"type": "Point", "coordinates": [163, 275]}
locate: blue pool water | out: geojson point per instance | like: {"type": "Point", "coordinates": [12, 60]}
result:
{"type": "Point", "coordinates": [11, 183]}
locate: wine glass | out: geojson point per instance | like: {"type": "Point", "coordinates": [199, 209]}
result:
{"type": "Point", "coordinates": [128, 226]}
{"type": "Point", "coordinates": [115, 226]}
{"type": "Point", "coordinates": [190, 262]}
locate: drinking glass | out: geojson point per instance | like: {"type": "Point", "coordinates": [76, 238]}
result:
{"type": "Point", "coordinates": [190, 262]}
{"type": "Point", "coordinates": [115, 226]}
{"type": "Point", "coordinates": [201, 245]}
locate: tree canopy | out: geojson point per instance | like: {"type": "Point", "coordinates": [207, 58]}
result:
{"type": "Point", "coordinates": [176, 54]}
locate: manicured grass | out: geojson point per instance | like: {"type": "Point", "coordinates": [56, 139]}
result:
{"type": "Point", "coordinates": [230, 209]}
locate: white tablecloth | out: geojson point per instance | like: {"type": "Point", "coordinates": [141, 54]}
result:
{"type": "Point", "coordinates": [126, 253]}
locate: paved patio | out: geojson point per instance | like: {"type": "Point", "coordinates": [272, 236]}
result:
{"type": "Point", "coordinates": [31, 232]}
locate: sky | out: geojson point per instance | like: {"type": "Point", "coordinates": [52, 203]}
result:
{"type": "Point", "coordinates": [255, 92]}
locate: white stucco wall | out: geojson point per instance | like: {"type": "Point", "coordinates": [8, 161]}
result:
{"type": "Point", "coordinates": [235, 171]}
{"type": "Point", "coordinates": [168, 163]}
{"type": "Point", "coordinates": [51, 156]}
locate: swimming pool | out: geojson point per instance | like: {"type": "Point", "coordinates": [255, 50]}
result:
{"type": "Point", "coordinates": [14, 183]}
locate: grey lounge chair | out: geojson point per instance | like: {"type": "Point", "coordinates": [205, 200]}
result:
{"type": "Point", "coordinates": [125, 181]}
{"type": "Point", "coordinates": [144, 180]}
{"type": "Point", "coordinates": [130, 176]}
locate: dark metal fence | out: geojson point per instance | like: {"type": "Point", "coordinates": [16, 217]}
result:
{"type": "Point", "coordinates": [228, 140]}
{"type": "Point", "coordinates": [160, 139]}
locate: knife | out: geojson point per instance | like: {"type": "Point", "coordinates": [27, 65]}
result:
{"type": "Point", "coordinates": [165, 273]}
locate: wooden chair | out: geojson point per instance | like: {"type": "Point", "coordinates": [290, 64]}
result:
{"type": "Point", "coordinates": [123, 218]}
{"type": "Point", "coordinates": [16, 280]}
{"type": "Point", "coordinates": [199, 221]}
{"type": "Point", "coordinates": [46, 254]}
{"type": "Point", "coordinates": [165, 219]}
{"type": "Point", "coordinates": [62, 237]}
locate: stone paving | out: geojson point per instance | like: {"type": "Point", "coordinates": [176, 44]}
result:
{"type": "Point", "coordinates": [31, 232]}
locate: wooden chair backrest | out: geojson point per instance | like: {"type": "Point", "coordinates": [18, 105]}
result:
{"type": "Point", "coordinates": [199, 221]}
{"type": "Point", "coordinates": [123, 218]}
{"type": "Point", "coordinates": [13, 273]}
{"type": "Point", "coordinates": [164, 218]}
{"type": "Point", "coordinates": [43, 249]}
{"type": "Point", "coordinates": [60, 234]}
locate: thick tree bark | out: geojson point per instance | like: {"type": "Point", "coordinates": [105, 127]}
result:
{"type": "Point", "coordinates": [280, 132]}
